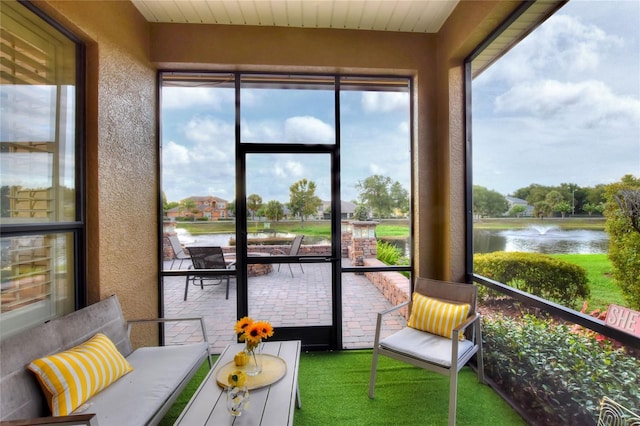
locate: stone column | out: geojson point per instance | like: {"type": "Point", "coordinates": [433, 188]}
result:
{"type": "Point", "coordinates": [363, 242]}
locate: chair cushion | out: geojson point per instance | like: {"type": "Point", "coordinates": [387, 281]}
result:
{"type": "Point", "coordinates": [435, 316]}
{"type": "Point", "coordinates": [71, 377]}
{"type": "Point", "coordinates": [425, 346]}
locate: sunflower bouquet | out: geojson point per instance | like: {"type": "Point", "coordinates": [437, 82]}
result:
{"type": "Point", "coordinates": [252, 333]}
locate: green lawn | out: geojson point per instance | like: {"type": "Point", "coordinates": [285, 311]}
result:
{"type": "Point", "coordinates": [603, 290]}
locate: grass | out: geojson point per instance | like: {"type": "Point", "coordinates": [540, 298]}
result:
{"type": "Point", "coordinates": [333, 389]}
{"type": "Point", "coordinates": [598, 267]}
{"type": "Point", "coordinates": [386, 228]}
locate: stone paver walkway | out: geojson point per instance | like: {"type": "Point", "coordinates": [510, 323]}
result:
{"type": "Point", "coordinates": [304, 299]}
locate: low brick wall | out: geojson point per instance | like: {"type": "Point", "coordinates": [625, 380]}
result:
{"type": "Point", "coordinates": [393, 285]}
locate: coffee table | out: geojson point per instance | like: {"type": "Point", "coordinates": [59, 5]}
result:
{"type": "Point", "coordinates": [269, 405]}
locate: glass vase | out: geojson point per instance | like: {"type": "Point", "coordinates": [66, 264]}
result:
{"type": "Point", "coordinates": [237, 400]}
{"type": "Point", "coordinates": [254, 361]}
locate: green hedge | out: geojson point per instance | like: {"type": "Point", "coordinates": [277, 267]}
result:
{"type": "Point", "coordinates": [556, 374]}
{"type": "Point", "coordinates": [537, 274]}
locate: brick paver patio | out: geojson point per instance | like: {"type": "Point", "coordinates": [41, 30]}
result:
{"type": "Point", "coordinates": [304, 299]}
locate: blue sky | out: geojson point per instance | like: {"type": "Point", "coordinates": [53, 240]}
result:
{"type": "Point", "coordinates": [198, 138]}
{"type": "Point", "coordinates": [563, 106]}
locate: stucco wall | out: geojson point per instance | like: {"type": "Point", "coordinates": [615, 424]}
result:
{"type": "Point", "coordinates": [121, 153]}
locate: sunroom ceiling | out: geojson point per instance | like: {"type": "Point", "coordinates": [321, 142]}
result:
{"type": "Point", "coordinates": [417, 16]}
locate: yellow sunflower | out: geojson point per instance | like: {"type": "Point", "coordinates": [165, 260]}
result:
{"type": "Point", "coordinates": [265, 329]}
{"type": "Point", "coordinates": [253, 334]}
{"type": "Point", "coordinates": [242, 324]}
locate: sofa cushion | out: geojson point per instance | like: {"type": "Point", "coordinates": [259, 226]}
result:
{"type": "Point", "coordinates": [71, 377]}
{"type": "Point", "coordinates": [138, 396]}
{"type": "Point", "coordinates": [435, 316]}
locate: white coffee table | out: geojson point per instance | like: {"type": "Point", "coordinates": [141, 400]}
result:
{"type": "Point", "coordinates": [270, 405]}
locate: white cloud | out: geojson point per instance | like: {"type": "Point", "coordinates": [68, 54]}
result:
{"type": "Point", "coordinates": [308, 130]}
{"type": "Point", "coordinates": [209, 130]}
{"type": "Point", "coordinates": [564, 46]}
{"type": "Point", "coordinates": [589, 103]}
{"type": "Point", "coordinates": [174, 155]}
{"type": "Point", "coordinates": [182, 98]}
{"type": "Point", "coordinates": [384, 101]}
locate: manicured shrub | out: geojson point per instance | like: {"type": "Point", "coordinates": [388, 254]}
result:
{"type": "Point", "coordinates": [557, 375]}
{"type": "Point", "coordinates": [538, 274]}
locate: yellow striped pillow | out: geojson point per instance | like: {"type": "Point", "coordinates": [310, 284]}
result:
{"type": "Point", "coordinates": [70, 378]}
{"type": "Point", "coordinates": [434, 316]}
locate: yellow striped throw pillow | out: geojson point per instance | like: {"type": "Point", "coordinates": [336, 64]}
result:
{"type": "Point", "coordinates": [435, 316]}
{"type": "Point", "coordinates": [70, 378]}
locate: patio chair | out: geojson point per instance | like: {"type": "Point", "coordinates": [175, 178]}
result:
{"type": "Point", "coordinates": [438, 336]}
{"type": "Point", "coordinates": [293, 251]}
{"type": "Point", "coordinates": [207, 258]}
{"type": "Point", "coordinates": [178, 251]}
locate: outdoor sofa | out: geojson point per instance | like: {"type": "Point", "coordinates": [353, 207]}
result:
{"type": "Point", "coordinates": [140, 397]}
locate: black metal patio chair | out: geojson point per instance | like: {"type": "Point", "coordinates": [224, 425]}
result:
{"type": "Point", "coordinates": [207, 258]}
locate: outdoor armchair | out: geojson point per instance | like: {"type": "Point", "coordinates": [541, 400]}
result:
{"type": "Point", "coordinates": [442, 334]}
{"type": "Point", "coordinates": [207, 258]}
{"type": "Point", "coordinates": [178, 251]}
{"type": "Point", "coordinates": [293, 251]}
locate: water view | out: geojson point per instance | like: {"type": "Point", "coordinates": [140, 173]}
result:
{"type": "Point", "coordinates": [548, 239]}
{"type": "Point", "coordinates": [225, 239]}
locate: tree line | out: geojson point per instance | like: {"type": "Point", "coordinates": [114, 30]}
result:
{"type": "Point", "coordinates": [562, 200]}
{"type": "Point", "coordinates": [378, 196]}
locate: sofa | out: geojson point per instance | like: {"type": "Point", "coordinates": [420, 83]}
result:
{"type": "Point", "coordinates": [140, 397]}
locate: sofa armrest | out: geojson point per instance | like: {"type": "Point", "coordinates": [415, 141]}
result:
{"type": "Point", "coordinates": [73, 420]}
{"type": "Point", "coordinates": [163, 320]}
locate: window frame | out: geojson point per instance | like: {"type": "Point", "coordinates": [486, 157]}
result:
{"type": "Point", "coordinates": [77, 227]}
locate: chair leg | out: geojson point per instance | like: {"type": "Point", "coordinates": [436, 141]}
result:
{"type": "Point", "coordinates": [186, 288]}
{"type": "Point", "coordinates": [479, 358]}
{"type": "Point", "coordinates": [372, 378]}
{"type": "Point", "coordinates": [290, 270]}
{"type": "Point", "coordinates": [453, 393]}
{"type": "Point", "coordinates": [227, 297]}
{"type": "Point", "coordinates": [172, 262]}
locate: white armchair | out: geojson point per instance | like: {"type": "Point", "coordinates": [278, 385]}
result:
{"type": "Point", "coordinates": [442, 335]}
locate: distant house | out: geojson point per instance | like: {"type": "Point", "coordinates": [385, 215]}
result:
{"type": "Point", "coordinates": [209, 207]}
{"type": "Point", "coordinates": [347, 207]}
{"type": "Point", "coordinates": [513, 201]}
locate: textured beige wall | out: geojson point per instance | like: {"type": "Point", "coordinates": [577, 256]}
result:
{"type": "Point", "coordinates": [121, 150]}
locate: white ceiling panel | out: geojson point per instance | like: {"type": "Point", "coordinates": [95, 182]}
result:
{"type": "Point", "coordinates": [380, 15]}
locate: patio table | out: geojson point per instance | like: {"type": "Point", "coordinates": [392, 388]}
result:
{"type": "Point", "coordinates": [269, 405]}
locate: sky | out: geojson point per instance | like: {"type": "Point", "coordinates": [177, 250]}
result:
{"type": "Point", "coordinates": [198, 140]}
{"type": "Point", "coordinates": [563, 106]}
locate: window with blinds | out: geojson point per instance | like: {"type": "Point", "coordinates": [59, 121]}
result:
{"type": "Point", "coordinates": [38, 169]}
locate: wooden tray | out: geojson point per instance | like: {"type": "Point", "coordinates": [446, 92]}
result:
{"type": "Point", "coordinates": [273, 369]}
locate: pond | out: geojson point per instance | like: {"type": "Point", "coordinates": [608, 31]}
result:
{"type": "Point", "coordinates": [225, 239]}
{"type": "Point", "coordinates": [548, 239]}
